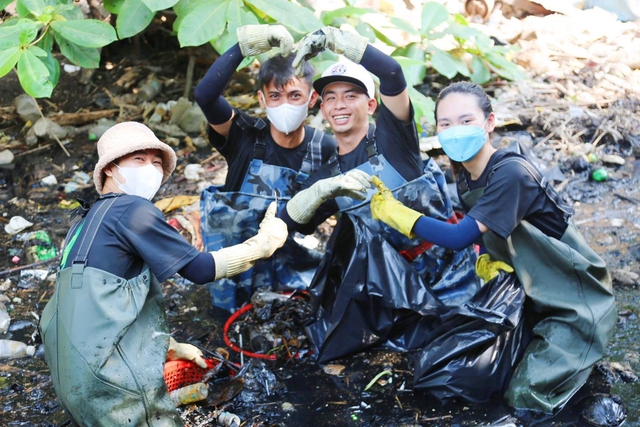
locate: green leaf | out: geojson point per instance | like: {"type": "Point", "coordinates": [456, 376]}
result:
{"type": "Point", "coordinates": [34, 75]}
{"type": "Point", "coordinates": [366, 30]}
{"type": "Point", "coordinates": [203, 24]}
{"type": "Point", "coordinates": [156, 5]}
{"type": "Point", "coordinates": [480, 73]}
{"type": "Point", "coordinates": [461, 31]}
{"type": "Point", "coordinates": [35, 7]}
{"type": "Point", "coordinates": [87, 57]}
{"type": "Point", "coordinates": [86, 32]}
{"type": "Point", "coordinates": [446, 64]}
{"type": "Point", "coordinates": [433, 14]}
{"type": "Point", "coordinates": [113, 6]}
{"type": "Point", "coordinates": [10, 33]}
{"type": "Point", "coordinates": [5, 3]}
{"type": "Point", "coordinates": [423, 107]}
{"type": "Point", "coordinates": [296, 18]}
{"type": "Point", "coordinates": [383, 38]}
{"type": "Point", "coordinates": [185, 7]}
{"type": "Point", "coordinates": [412, 60]}
{"type": "Point", "coordinates": [38, 51]}
{"type": "Point", "coordinates": [28, 31]}
{"type": "Point", "coordinates": [54, 68]}
{"type": "Point", "coordinates": [328, 16]}
{"type": "Point", "coordinates": [134, 18]}
{"type": "Point", "coordinates": [46, 42]}
{"type": "Point", "coordinates": [236, 17]}
{"type": "Point", "coordinates": [503, 67]}
{"type": "Point", "coordinates": [8, 59]}
{"type": "Point", "coordinates": [403, 25]}
{"type": "Point", "coordinates": [70, 12]}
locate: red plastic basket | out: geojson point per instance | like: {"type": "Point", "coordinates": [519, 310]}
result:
{"type": "Point", "coordinates": [181, 373]}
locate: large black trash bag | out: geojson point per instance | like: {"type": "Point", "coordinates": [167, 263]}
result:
{"type": "Point", "coordinates": [477, 346]}
{"type": "Point", "coordinates": [365, 294]}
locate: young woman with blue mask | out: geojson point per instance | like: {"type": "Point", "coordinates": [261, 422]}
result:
{"type": "Point", "coordinates": [523, 225]}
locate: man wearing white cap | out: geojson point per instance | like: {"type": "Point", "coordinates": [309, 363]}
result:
{"type": "Point", "coordinates": [105, 328]}
{"type": "Point", "coordinates": [389, 150]}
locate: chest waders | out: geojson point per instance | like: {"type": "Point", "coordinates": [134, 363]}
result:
{"type": "Point", "coordinates": [366, 292]}
{"type": "Point", "coordinates": [106, 340]}
{"type": "Point", "coordinates": [229, 218]}
{"type": "Point", "coordinates": [570, 304]}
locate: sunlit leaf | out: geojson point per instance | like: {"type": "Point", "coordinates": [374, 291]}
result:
{"type": "Point", "coordinates": [70, 12]}
{"type": "Point", "coordinates": [156, 5]}
{"type": "Point", "coordinates": [87, 57]}
{"type": "Point", "coordinates": [383, 38]}
{"type": "Point", "coordinates": [38, 51]}
{"type": "Point", "coordinates": [433, 14]}
{"type": "Point", "coordinates": [36, 7]}
{"type": "Point", "coordinates": [328, 16]}
{"type": "Point", "coordinates": [10, 33]}
{"type": "Point", "coordinates": [412, 60]}
{"type": "Point", "coordinates": [113, 6]}
{"type": "Point", "coordinates": [445, 63]}
{"type": "Point", "coordinates": [204, 23]}
{"type": "Point", "coordinates": [365, 30]}
{"type": "Point", "coordinates": [46, 42]}
{"type": "Point", "coordinates": [28, 31]}
{"type": "Point", "coordinates": [8, 59]}
{"type": "Point", "coordinates": [5, 3]}
{"type": "Point", "coordinates": [86, 32]}
{"type": "Point", "coordinates": [236, 17]}
{"type": "Point", "coordinates": [503, 67]}
{"type": "Point", "coordinates": [53, 66]}
{"type": "Point", "coordinates": [34, 75]}
{"type": "Point", "coordinates": [134, 17]}
{"type": "Point", "coordinates": [296, 18]}
{"type": "Point", "coordinates": [423, 108]}
{"type": "Point", "coordinates": [403, 25]}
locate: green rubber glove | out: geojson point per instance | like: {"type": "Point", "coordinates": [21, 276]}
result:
{"type": "Point", "coordinates": [487, 270]}
{"type": "Point", "coordinates": [385, 208]}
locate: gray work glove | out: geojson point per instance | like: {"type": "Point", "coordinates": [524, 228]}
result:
{"type": "Point", "coordinates": [352, 46]}
{"type": "Point", "coordinates": [180, 351]}
{"type": "Point", "coordinates": [303, 205]}
{"type": "Point", "coordinates": [239, 258]}
{"type": "Point", "coordinates": [257, 39]}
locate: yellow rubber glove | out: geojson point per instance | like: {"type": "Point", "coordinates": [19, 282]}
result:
{"type": "Point", "coordinates": [180, 351]}
{"type": "Point", "coordinates": [486, 269]}
{"type": "Point", "coordinates": [385, 208]}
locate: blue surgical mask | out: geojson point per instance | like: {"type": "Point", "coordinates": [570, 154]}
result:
{"type": "Point", "coordinates": [462, 143]}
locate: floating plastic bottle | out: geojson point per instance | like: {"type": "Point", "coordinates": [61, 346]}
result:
{"type": "Point", "coordinates": [13, 349]}
{"type": "Point", "coordinates": [189, 394]}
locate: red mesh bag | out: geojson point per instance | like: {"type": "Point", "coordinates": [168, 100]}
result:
{"type": "Point", "coordinates": [181, 373]}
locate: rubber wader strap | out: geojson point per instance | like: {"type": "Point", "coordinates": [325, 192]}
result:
{"type": "Point", "coordinates": [313, 158]}
{"type": "Point", "coordinates": [80, 261]}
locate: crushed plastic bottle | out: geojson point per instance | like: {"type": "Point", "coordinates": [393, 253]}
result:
{"type": "Point", "coordinates": [14, 349]}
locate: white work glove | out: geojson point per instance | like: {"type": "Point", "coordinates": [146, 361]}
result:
{"type": "Point", "coordinates": [257, 39]}
{"type": "Point", "coordinates": [235, 259]}
{"type": "Point", "coordinates": [179, 351]}
{"type": "Point", "coordinates": [352, 46]}
{"type": "Point", "coordinates": [303, 205]}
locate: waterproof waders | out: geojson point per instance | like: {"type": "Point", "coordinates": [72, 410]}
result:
{"type": "Point", "coordinates": [570, 304]}
{"type": "Point", "coordinates": [106, 341]}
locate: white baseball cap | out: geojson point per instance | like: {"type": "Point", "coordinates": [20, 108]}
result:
{"type": "Point", "coordinates": [348, 72]}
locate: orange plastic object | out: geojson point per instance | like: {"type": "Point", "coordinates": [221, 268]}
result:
{"type": "Point", "coordinates": [181, 373]}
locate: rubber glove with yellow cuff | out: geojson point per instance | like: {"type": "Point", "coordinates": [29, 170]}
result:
{"type": "Point", "coordinates": [257, 39]}
{"type": "Point", "coordinates": [486, 269]}
{"type": "Point", "coordinates": [180, 351]}
{"type": "Point", "coordinates": [303, 205]}
{"type": "Point", "coordinates": [385, 208]}
{"type": "Point", "coordinates": [239, 258]}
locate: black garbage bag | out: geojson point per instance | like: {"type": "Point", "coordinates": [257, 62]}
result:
{"type": "Point", "coordinates": [477, 346]}
{"type": "Point", "coordinates": [365, 294]}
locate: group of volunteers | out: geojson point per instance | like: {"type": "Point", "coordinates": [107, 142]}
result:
{"type": "Point", "coordinates": [105, 329]}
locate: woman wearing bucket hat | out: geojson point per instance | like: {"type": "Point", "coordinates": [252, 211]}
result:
{"type": "Point", "coordinates": [105, 329]}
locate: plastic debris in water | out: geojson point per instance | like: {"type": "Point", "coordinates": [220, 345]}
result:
{"type": "Point", "coordinates": [602, 410]}
{"type": "Point", "coordinates": [189, 394]}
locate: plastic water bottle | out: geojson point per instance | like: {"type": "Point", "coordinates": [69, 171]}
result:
{"type": "Point", "coordinates": [189, 394]}
{"type": "Point", "coordinates": [13, 349]}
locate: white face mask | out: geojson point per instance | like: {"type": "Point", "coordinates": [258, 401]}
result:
{"type": "Point", "coordinates": [143, 181]}
{"type": "Point", "coordinates": [287, 117]}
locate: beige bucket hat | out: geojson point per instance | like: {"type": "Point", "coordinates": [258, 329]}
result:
{"type": "Point", "coordinates": [125, 138]}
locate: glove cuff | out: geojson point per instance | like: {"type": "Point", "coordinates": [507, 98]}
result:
{"type": "Point", "coordinates": [352, 46]}
{"type": "Point", "coordinates": [303, 205]}
{"type": "Point", "coordinates": [253, 39]}
{"type": "Point", "coordinates": [235, 259]}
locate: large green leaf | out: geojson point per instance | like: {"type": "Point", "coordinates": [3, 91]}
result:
{"type": "Point", "coordinates": [328, 16]}
{"type": "Point", "coordinates": [156, 5]}
{"type": "Point", "coordinates": [412, 60]}
{"type": "Point", "coordinates": [10, 33]}
{"type": "Point", "coordinates": [34, 75]}
{"type": "Point", "coordinates": [53, 66]}
{"type": "Point", "coordinates": [447, 64]}
{"type": "Point", "coordinates": [70, 12]}
{"type": "Point", "coordinates": [46, 41]}
{"type": "Point", "coordinates": [236, 17]}
{"type": "Point", "coordinates": [461, 32]}
{"type": "Point", "coordinates": [113, 6]}
{"type": "Point", "coordinates": [503, 67]}
{"type": "Point", "coordinates": [403, 25]}
{"type": "Point", "coordinates": [134, 17]}
{"type": "Point", "coordinates": [5, 3]}
{"type": "Point", "coordinates": [35, 7]}
{"type": "Point", "coordinates": [366, 30]}
{"type": "Point", "coordinates": [28, 31]}
{"type": "Point", "coordinates": [185, 7]}
{"type": "Point", "coordinates": [433, 14]}
{"type": "Point", "coordinates": [204, 23]}
{"type": "Point", "coordinates": [423, 108]}
{"type": "Point", "coordinates": [87, 57]}
{"type": "Point", "coordinates": [86, 32]}
{"type": "Point", "coordinates": [480, 73]}
{"type": "Point", "coordinates": [8, 59]}
{"type": "Point", "coordinates": [296, 18]}
{"type": "Point", "coordinates": [383, 38]}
